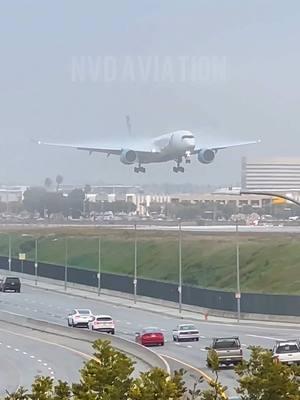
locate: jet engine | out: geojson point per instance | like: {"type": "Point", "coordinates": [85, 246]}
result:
{"type": "Point", "coordinates": [206, 156]}
{"type": "Point", "coordinates": [128, 156]}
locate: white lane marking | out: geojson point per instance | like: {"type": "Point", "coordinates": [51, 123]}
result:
{"type": "Point", "coordinates": [45, 364]}
{"type": "Point", "coordinates": [49, 369]}
{"type": "Point", "coordinates": [244, 345]}
{"type": "Point", "coordinates": [8, 346]}
{"type": "Point", "coordinates": [189, 346]}
{"type": "Point", "coordinates": [32, 356]}
{"type": "Point", "coordinates": [202, 350]}
{"type": "Point", "coordinates": [25, 354]}
{"type": "Point", "coordinates": [202, 337]}
{"type": "Point", "coordinates": [263, 337]}
{"type": "Point", "coordinates": [17, 350]}
{"type": "Point", "coordinates": [128, 323]}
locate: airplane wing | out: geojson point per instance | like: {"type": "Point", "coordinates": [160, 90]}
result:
{"type": "Point", "coordinates": [106, 149]}
{"type": "Point", "coordinates": [217, 147]}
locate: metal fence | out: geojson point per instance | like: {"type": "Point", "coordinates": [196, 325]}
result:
{"type": "Point", "coordinates": [286, 305]}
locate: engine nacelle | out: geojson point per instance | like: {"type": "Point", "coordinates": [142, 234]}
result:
{"type": "Point", "coordinates": [128, 156]}
{"type": "Point", "coordinates": [206, 156]}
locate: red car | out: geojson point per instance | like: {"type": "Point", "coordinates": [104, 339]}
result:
{"type": "Point", "coordinates": [150, 337]}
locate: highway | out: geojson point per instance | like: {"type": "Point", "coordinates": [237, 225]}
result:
{"type": "Point", "coordinates": [25, 356]}
{"type": "Point", "coordinates": [54, 307]}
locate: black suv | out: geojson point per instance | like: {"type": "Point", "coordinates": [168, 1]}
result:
{"type": "Point", "coordinates": [10, 283]}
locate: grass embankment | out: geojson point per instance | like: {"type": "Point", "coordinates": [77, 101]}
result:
{"type": "Point", "coordinates": [269, 263]}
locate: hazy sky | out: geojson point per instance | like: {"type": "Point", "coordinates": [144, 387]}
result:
{"type": "Point", "coordinates": [71, 71]}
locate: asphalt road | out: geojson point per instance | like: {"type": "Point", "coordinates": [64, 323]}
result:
{"type": "Point", "coordinates": [54, 307]}
{"type": "Point", "coordinates": [267, 228]}
{"type": "Point", "coordinates": [25, 356]}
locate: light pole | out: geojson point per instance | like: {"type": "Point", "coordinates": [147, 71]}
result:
{"type": "Point", "coordinates": [180, 267]}
{"type": "Point", "coordinates": [9, 252]}
{"type": "Point", "coordinates": [66, 261]}
{"type": "Point", "coordinates": [135, 265]}
{"type": "Point", "coordinates": [99, 266]}
{"type": "Point", "coordinates": [35, 257]}
{"type": "Point", "coordinates": [36, 262]}
{"type": "Point", "coordinates": [238, 289]}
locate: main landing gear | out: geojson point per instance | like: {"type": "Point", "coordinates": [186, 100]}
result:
{"type": "Point", "coordinates": [178, 168]}
{"type": "Point", "coordinates": [139, 169]}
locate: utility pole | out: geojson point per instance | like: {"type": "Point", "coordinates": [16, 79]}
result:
{"type": "Point", "coordinates": [180, 268]}
{"type": "Point", "coordinates": [135, 265]}
{"type": "Point", "coordinates": [99, 266]}
{"type": "Point", "coordinates": [66, 261]}
{"type": "Point", "coordinates": [238, 289]}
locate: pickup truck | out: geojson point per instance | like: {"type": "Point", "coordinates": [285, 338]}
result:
{"type": "Point", "coordinates": [228, 350]}
{"type": "Point", "coordinates": [185, 332]}
{"type": "Point", "coordinates": [287, 351]}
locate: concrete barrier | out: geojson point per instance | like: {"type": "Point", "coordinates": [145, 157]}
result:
{"type": "Point", "coordinates": [126, 346]}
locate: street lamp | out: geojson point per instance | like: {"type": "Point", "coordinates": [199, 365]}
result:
{"type": "Point", "coordinates": [135, 265]}
{"type": "Point", "coordinates": [180, 266]}
{"type": "Point", "coordinates": [99, 266]}
{"type": "Point", "coordinates": [238, 289]}
{"type": "Point", "coordinates": [66, 261]}
{"type": "Point", "coordinates": [9, 252]}
{"type": "Point", "coordinates": [35, 257]}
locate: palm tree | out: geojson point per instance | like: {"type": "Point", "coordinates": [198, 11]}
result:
{"type": "Point", "coordinates": [59, 180]}
{"type": "Point", "coordinates": [48, 183]}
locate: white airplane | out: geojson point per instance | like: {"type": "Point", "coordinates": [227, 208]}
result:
{"type": "Point", "coordinates": [175, 146]}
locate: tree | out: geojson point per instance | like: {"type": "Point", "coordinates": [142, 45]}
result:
{"type": "Point", "coordinates": [48, 183]}
{"type": "Point", "coordinates": [59, 180]}
{"type": "Point", "coordinates": [261, 378]}
{"type": "Point", "coordinates": [108, 375]}
{"type": "Point", "coordinates": [75, 202]}
{"type": "Point", "coordinates": [217, 390]}
{"type": "Point", "coordinates": [34, 200]}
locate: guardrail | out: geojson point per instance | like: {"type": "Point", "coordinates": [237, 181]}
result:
{"type": "Point", "coordinates": [126, 346]}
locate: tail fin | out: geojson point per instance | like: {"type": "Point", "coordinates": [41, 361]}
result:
{"type": "Point", "coordinates": [128, 124]}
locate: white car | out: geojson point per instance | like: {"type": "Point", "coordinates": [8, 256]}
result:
{"type": "Point", "coordinates": [287, 352]}
{"type": "Point", "coordinates": [102, 323]}
{"type": "Point", "coordinates": [80, 317]}
{"type": "Point", "coordinates": [185, 332]}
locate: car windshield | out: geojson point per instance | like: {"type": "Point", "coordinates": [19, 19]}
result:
{"type": "Point", "coordinates": [10, 280]}
{"type": "Point", "coordinates": [226, 344]}
{"type": "Point", "coordinates": [84, 312]}
{"type": "Point", "coordinates": [287, 348]}
{"type": "Point", "coordinates": [187, 327]}
{"type": "Point", "coordinates": [151, 330]}
{"type": "Point", "coordinates": [104, 319]}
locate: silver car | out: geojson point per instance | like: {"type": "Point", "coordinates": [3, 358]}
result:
{"type": "Point", "coordinates": [80, 317]}
{"type": "Point", "coordinates": [185, 332]}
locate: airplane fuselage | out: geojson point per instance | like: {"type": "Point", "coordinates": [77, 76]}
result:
{"type": "Point", "coordinates": [168, 147]}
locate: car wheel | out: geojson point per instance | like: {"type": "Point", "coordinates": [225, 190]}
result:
{"type": "Point", "coordinates": [174, 338]}
{"type": "Point", "coordinates": [197, 339]}
{"type": "Point", "coordinates": [113, 332]}
{"type": "Point", "coordinates": [72, 324]}
{"type": "Point", "coordinates": [162, 343]}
